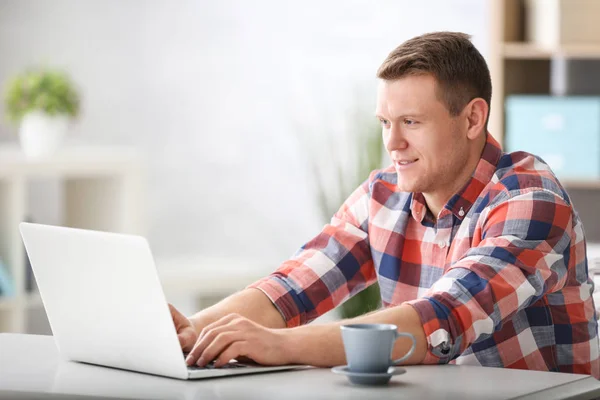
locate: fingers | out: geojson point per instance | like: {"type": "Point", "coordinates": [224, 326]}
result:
{"type": "Point", "coordinates": [186, 333]}
{"type": "Point", "coordinates": [235, 350]}
{"type": "Point", "coordinates": [218, 335]}
{"type": "Point", "coordinates": [187, 339]}
{"type": "Point", "coordinates": [217, 347]}
{"type": "Point", "coordinates": [236, 337]}
{"type": "Point", "coordinates": [173, 310]}
{"type": "Point", "coordinates": [178, 318]}
{"type": "Point", "coordinates": [205, 340]}
{"type": "Point", "coordinates": [220, 322]}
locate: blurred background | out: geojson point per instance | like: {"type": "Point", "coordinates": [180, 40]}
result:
{"type": "Point", "coordinates": [219, 129]}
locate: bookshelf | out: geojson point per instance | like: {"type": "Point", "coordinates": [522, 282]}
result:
{"type": "Point", "coordinates": [526, 51]}
{"type": "Point", "coordinates": [520, 67]}
{"type": "Point", "coordinates": [100, 188]}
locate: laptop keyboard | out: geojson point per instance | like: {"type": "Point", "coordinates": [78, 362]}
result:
{"type": "Point", "coordinates": [211, 365]}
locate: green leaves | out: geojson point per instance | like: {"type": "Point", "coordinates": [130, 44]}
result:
{"type": "Point", "coordinates": [364, 302]}
{"type": "Point", "coordinates": [45, 90]}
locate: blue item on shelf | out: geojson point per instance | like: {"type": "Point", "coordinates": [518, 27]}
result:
{"type": "Point", "coordinates": [7, 286]}
{"type": "Point", "coordinates": [563, 131]}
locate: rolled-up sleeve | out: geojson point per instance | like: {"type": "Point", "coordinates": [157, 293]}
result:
{"type": "Point", "coordinates": [523, 253]}
{"type": "Point", "coordinates": [327, 270]}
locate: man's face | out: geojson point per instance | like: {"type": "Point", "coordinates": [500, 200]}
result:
{"type": "Point", "coordinates": [429, 147]}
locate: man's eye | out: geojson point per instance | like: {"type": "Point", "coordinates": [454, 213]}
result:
{"type": "Point", "coordinates": [384, 122]}
{"type": "Point", "coordinates": [409, 122]}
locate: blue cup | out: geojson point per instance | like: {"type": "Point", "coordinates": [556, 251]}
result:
{"type": "Point", "coordinates": [368, 347]}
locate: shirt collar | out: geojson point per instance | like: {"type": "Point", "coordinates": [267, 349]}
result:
{"type": "Point", "coordinates": [461, 202]}
{"type": "Point", "coordinates": [418, 208]}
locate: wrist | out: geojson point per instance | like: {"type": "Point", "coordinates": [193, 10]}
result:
{"type": "Point", "coordinates": [291, 345]}
{"type": "Point", "coordinates": [318, 345]}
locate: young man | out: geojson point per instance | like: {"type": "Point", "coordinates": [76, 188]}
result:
{"type": "Point", "coordinates": [478, 253]}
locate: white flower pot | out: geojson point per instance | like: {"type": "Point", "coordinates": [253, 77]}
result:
{"type": "Point", "coordinates": [41, 134]}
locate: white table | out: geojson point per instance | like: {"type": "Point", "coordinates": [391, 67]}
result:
{"type": "Point", "coordinates": [30, 367]}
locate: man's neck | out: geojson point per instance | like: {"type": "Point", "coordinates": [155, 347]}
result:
{"type": "Point", "coordinates": [437, 200]}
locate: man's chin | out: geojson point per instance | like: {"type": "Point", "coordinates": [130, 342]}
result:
{"type": "Point", "coordinates": [411, 187]}
{"type": "Point", "coordinates": [406, 182]}
{"type": "Point", "coordinates": [406, 188]}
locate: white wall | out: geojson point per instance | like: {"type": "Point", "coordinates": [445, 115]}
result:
{"type": "Point", "coordinates": [216, 93]}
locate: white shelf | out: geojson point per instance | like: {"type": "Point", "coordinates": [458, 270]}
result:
{"type": "Point", "coordinates": [210, 276]}
{"type": "Point", "coordinates": [7, 303]}
{"type": "Point", "coordinates": [581, 184]}
{"type": "Point", "coordinates": [520, 67]}
{"type": "Point", "coordinates": [27, 301]}
{"type": "Point", "coordinates": [69, 161]}
{"type": "Point", "coordinates": [101, 189]}
{"type": "Point", "coordinates": [195, 282]}
{"type": "Point", "coordinates": [527, 51]}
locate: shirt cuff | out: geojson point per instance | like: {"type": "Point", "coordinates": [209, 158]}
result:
{"type": "Point", "coordinates": [441, 348]}
{"type": "Point", "coordinates": [279, 293]}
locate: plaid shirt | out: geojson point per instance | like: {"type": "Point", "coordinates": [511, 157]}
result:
{"type": "Point", "coordinates": [499, 280]}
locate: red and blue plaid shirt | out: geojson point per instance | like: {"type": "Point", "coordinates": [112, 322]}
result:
{"type": "Point", "coordinates": [500, 279]}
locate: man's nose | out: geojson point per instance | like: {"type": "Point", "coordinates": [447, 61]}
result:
{"type": "Point", "coordinates": [396, 140]}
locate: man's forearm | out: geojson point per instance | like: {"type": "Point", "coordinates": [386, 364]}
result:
{"type": "Point", "coordinates": [321, 345]}
{"type": "Point", "coordinates": [250, 303]}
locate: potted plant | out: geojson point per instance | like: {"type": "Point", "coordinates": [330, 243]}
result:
{"type": "Point", "coordinates": [42, 102]}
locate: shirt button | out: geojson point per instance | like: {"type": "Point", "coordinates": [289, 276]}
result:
{"type": "Point", "coordinates": [442, 244]}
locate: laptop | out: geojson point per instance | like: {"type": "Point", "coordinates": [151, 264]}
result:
{"type": "Point", "coordinates": [106, 306]}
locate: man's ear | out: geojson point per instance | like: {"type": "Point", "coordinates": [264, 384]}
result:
{"type": "Point", "coordinates": [476, 112]}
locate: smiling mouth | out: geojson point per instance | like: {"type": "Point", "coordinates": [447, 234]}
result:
{"type": "Point", "coordinates": [406, 162]}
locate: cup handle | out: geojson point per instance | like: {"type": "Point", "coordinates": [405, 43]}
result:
{"type": "Point", "coordinates": [412, 349]}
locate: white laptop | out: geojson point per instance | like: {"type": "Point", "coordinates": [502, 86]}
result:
{"type": "Point", "coordinates": [105, 303]}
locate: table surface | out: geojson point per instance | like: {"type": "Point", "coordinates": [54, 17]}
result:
{"type": "Point", "coordinates": [30, 367]}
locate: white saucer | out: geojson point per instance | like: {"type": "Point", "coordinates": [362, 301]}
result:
{"type": "Point", "coordinates": [368, 378]}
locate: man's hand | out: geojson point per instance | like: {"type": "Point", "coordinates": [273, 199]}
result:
{"type": "Point", "coordinates": [234, 336]}
{"type": "Point", "coordinates": [185, 330]}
